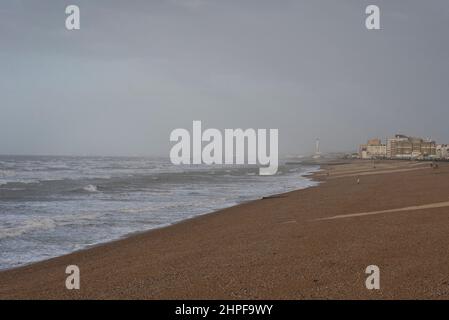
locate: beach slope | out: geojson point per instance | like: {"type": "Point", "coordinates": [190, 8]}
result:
{"type": "Point", "coordinates": [307, 244]}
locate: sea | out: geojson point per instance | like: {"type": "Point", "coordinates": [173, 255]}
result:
{"type": "Point", "coordinates": [51, 206]}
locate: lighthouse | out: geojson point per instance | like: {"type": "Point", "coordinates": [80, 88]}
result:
{"type": "Point", "coordinates": [317, 149]}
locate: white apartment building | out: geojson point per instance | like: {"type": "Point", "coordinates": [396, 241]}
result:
{"type": "Point", "coordinates": [374, 149]}
{"type": "Point", "coordinates": [442, 151]}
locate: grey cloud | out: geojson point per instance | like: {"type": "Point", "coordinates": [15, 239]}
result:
{"type": "Point", "coordinates": [138, 69]}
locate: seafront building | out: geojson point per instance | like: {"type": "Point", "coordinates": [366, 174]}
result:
{"type": "Point", "coordinates": [442, 151]}
{"type": "Point", "coordinates": [403, 147]}
{"type": "Point", "coordinates": [373, 149]}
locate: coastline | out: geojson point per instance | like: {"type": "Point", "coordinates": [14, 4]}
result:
{"type": "Point", "coordinates": [308, 175]}
{"type": "Point", "coordinates": [271, 248]}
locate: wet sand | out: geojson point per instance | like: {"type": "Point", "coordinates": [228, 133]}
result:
{"type": "Point", "coordinates": [396, 217]}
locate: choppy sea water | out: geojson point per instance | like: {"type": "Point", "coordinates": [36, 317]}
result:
{"type": "Point", "coordinates": [50, 206]}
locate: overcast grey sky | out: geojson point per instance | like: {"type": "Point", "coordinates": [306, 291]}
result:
{"type": "Point", "coordinates": [138, 69]}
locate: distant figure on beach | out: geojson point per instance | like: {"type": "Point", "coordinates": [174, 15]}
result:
{"type": "Point", "coordinates": [358, 180]}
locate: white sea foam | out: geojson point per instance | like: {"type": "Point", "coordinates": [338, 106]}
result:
{"type": "Point", "coordinates": [27, 226]}
{"type": "Point", "coordinates": [90, 188]}
{"type": "Point", "coordinates": [136, 210]}
{"type": "Point", "coordinates": [7, 173]}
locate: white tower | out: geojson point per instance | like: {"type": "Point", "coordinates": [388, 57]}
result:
{"type": "Point", "coordinates": [317, 149]}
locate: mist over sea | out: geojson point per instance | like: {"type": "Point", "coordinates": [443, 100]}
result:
{"type": "Point", "coordinates": [50, 206]}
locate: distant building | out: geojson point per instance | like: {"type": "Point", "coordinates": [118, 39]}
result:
{"type": "Point", "coordinates": [442, 151]}
{"type": "Point", "coordinates": [404, 147]}
{"type": "Point", "coordinates": [374, 149]}
{"type": "Point", "coordinates": [374, 142]}
{"type": "Point", "coordinates": [317, 154]}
